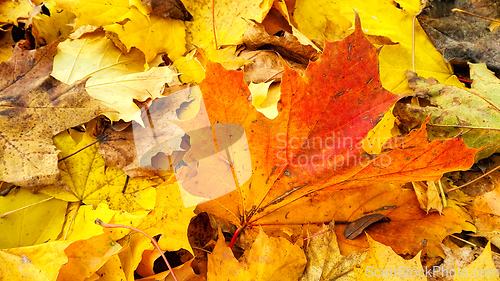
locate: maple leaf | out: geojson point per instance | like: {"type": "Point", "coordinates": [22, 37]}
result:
{"type": "Point", "coordinates": [34, 107]}
{"type": "Point", "coordinates": [10, 11]}
{"type": "Point", "coordinates": [47, 29]}
{"type": "Point", "coordinates": [98, 13]}
{"type": "Point", "coordinates": [34, 225]}
{"type": "Point", "coordinates": [299, 178]}
{"type": "Point", "coordinates": [471, 113]}
{"type": "Point", "coordinates": [383, 19]}
{"type": "Point", "coordinates": [40, 262]}
{"type": "Point", "coordinates": [90, 182]}
{"type": "Point", "coordinates": [116, 79]}
{"type": "Point", "coordinates": [380, 259]}
{"type": "Point", "coordinates": [286, 263]}
{"type": "Point", "coordinates": [230, 20]}
{"type": "Point", "coordinates": [151, 35]}
{"type": "Point", "coordinates": [86, 256]}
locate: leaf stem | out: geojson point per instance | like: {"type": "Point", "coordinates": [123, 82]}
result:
{"type": "Point", "coordinates": [27, 206]}
{"type": "Point", "coordinates": [233, 240]}
{"type": "Point", "coordinates": [413, 43]}
{"type": "Point", "coordinates": [72, 220]}
{"type": "Point", "coordinates": [317, 234]}
{"type": "Point", "coordinates": [213, 25]}
{"type": "Point", "coordinates": [107, 225]}
{"type": "Point", "coordinates": [464, 80]}
{"type": "Point", "coordinates": [465, 184]}
{"type": "Point", "coordinates": [88, 145]}
{"type": "Point", "coordinates": [471, 14]}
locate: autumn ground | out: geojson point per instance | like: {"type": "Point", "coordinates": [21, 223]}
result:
{"type": "Point", "coordinates": [249, 140]}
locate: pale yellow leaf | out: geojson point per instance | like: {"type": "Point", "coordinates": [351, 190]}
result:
{"type": "Point", "coordinates": [41, 262]}
{"type": "Point", "coordinates": [231, 18]}
{"type": "Point", "coordinates": [152, 35]}
{"type": "Point", "coordinates": [33, 225]}
{"type": "Point", "coordinates": [96, 12]}
{"type": "Point", "coordinates": [382, 263]}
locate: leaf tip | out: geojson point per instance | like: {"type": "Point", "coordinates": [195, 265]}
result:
{"type": "Point", "coordinates": [357, 21]}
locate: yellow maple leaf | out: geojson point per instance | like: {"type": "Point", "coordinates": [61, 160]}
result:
{"type": "Point", "coordinates": [83, 222]}
{"type": "Point", "coordinates": [86, 256]}
{"type": "Point", "coordinates": [96, 12]}
{"type": "Point", "coordinates": [231, 19]}
{"type": "Point", "coordinates": [91, 182]}
{"type": "Point", "coordinates": [48, 29]}
{"type": "Point", "coordinates": [11, 10]}
{"type": "Point", "coordinates": [41, 262]}
{"type": "Point", "coordinates": [94, 55]}
{"type": "Point", "coordinates": [169, 218]}
{"type": "Point", "coordinates": [151, 35]}
{"type": "Point", "coordinates": [286, 262]}
{"type": "Point", "coordinates": [35, 224]}
{"type": "Point", "coordinates": [116, 79]}
{"type": "Point", "coordinates": [382, 263]}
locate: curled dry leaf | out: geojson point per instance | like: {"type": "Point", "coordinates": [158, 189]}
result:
{"type": "Point", "coordinates": [266, 66]}
{"type": "Point", "coordinates": [288, 46]}
{"type": "Point", "coordinates": [169, 9]}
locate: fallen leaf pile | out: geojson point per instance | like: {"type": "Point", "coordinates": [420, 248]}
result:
{"type": "Point", "coordinates": [252, 140]}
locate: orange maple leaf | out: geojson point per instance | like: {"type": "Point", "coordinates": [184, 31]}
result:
{"type": "Point", "coordinates": [308, 165]}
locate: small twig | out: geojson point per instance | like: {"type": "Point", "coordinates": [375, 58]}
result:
{"type": "Point", "coordinates": [107, 225]}
{"type": "Point", "coordinates": [471, 14]}
{"type": "Point", "coordinates": [27, 206]}
{"type": "Point", "coordinates": [463, 240]}
{"type": "Point", "coordinates": [463, 185]}
{"type": "Point", "coordinates": [472, 244]}
{"type": "Point", "coordinates": [201, 249]}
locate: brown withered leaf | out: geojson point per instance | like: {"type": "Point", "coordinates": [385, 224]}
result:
{"type": "Point", "coordinates": [34, 106]}
{"type": "Point", "coordinates": [266, 66]}
{"type": "Point", "coordinates": [169, 9]}
{"type": "Point", "coordinates": [288, 46]}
